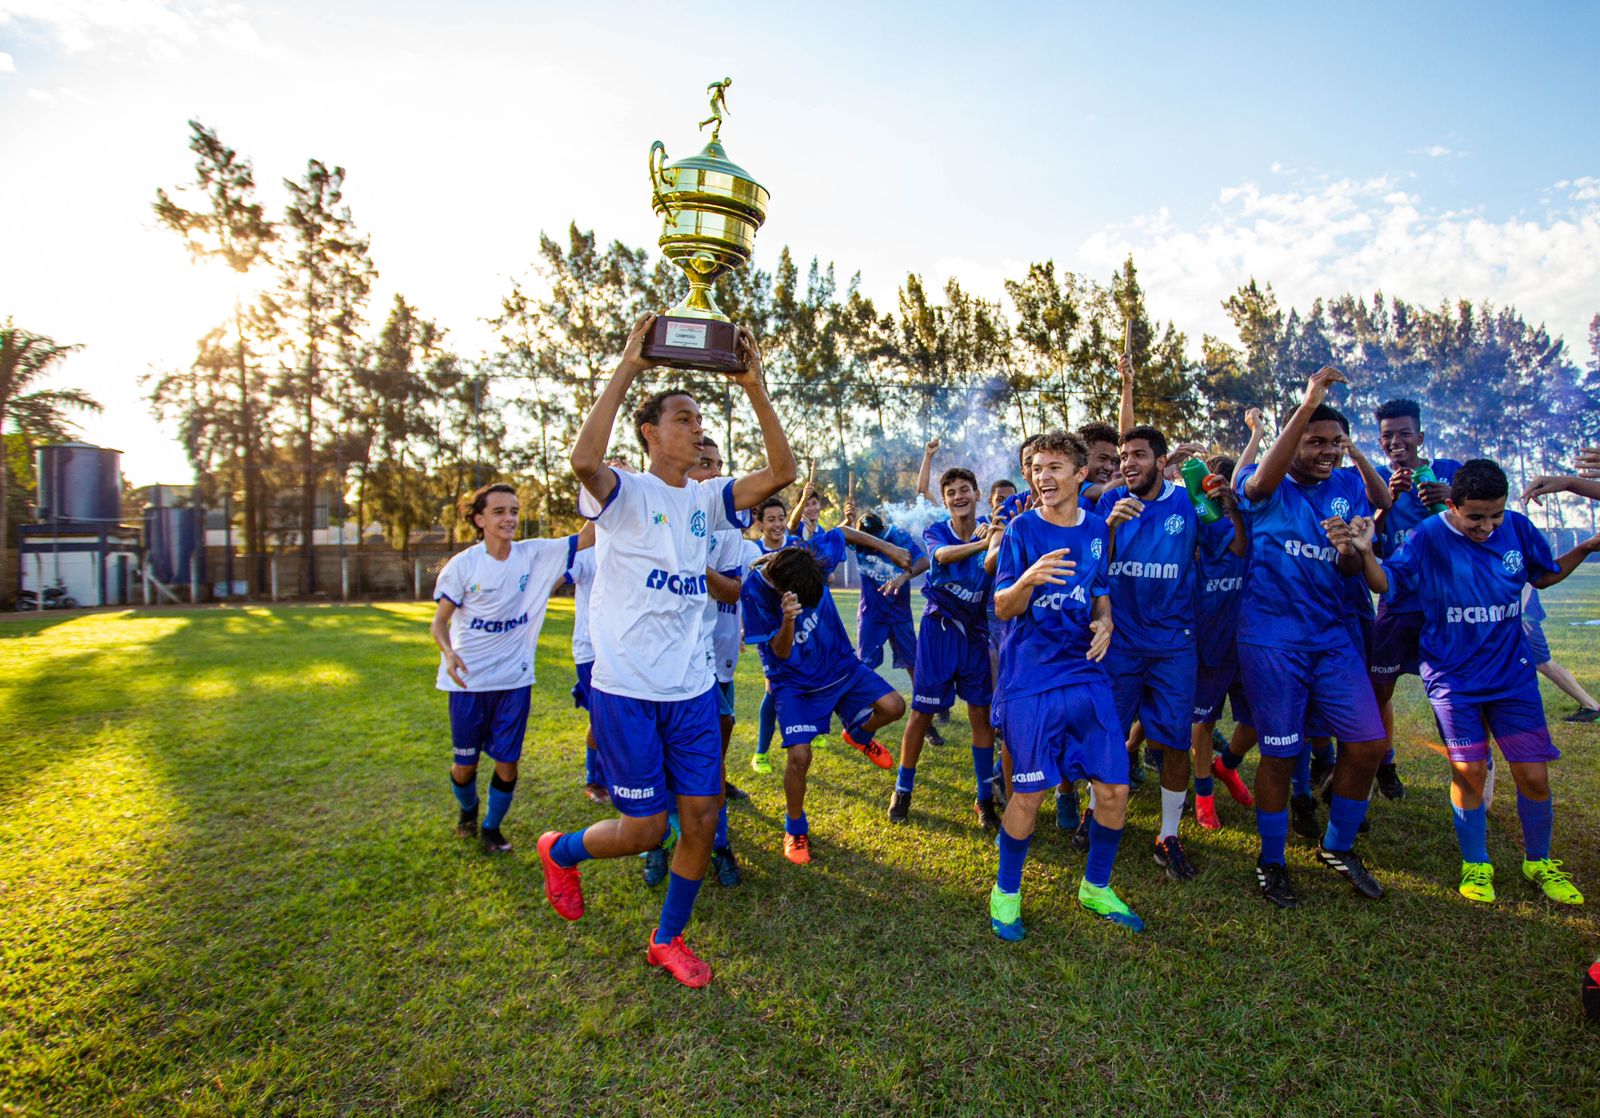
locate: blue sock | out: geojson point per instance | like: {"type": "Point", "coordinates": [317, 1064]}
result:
{"type": "Point", "coordinates": [1300, 782]}
{"type": "Point", "coordinates": [592, 772]}
{"type": "Point", "coordinates": [1388, 758]}
{"type": "Point", "coordinates": [1472, 832]}
{"type": "Point", "coordinates": [1273, 827]}
{"type": "Point", "coordinates": [1103, 843]}
{"type": "Point", "coordinates": [499, 801]}
{"type": "Point", "coordinates": [1205, 785]}
{"type": "Point", "coordinates": [982, 770]}
{"type": "Point", "coordinates": [768, 724]}
{"type": "Point", "coordinates": [1538, 820]}
{"type": "Point", "coordinates": [1013, 853]}
{"type": "Point", "coordinates": [720, 842]}
{"type": "Point", "coordinates": [677, 907]}
{"type": "Point", "coordinates": [905, 780]}
{"type": "Point", "coordinates": [466, 794]}
{"type": "Point", "coordinates": [1344, 822]}
{"type": "Point", "coordinates": [568, 850]}
{"type": "Point", "coordinates": [1324, 753]}
{"type": "Point", "coordinates": [1231, 760]}
{"type": "Point", "coordinates": [793, 826]}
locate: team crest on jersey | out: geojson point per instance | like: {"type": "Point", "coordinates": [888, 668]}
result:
{"type": "Point", "coordinates": [697, 523]}
{"type": "Point", "coordinates": [473, 589]}
{"type": "Point", "coordinates": [1512, 562]}
{"type": "Point", "coordinates": [522, 584]}
{"type": "Point", "coordinates": [1174, 524]}
{"type": "Point", "coordinates": [1095, 549]}
{"type": "Point", "coordinates": [1341, 508]}
{"type": "Point", "coordinates": [659, 518]}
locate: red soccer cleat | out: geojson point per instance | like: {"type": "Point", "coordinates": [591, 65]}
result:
{"type": "Point", "coordinates": [1230, 780]}
{"type": "Point", "coordinates": [1205, 813]}
{"type": "Point", "coordinates": [797, 848]}
{"type": "Point", "coordinates": [563, 888]}
{"type": "Point", "coordinates": [873, 751]}
{"type": "Point", "coordinates": [681, 963]}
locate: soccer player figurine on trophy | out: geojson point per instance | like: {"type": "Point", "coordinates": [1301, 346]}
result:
{"type": "Point", "coordinates": [711, 209]}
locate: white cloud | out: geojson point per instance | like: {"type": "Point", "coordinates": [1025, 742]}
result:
{"type": "Point", "coordinates": [162, 27]}
{"type": "Point", "coordinates": [1437, 151]}
{"type": "Point", "coordinates": [8, 64]}
{"type": "Point", "coordinates": [40, 95]}
{"type": "Point", "coordinates": [1361, 237]}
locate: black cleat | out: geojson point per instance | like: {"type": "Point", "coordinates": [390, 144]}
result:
{"type": "Point", "coordinates": [655, 866]}
{"type": "Point", "coordinates": [1135, 771]}
{"type": "Point", "coordinates": [1272, 878]}
{"type": "Point", "coordinates": [934, 736]}
{"type": "Point", "coordinates": [725, 867]}
{"type": "Point", "coordinates": [1583, 715]}
{"type": "Point", "coordinates": [1303, 817]}
{"type": "Point", "coordinates": [494, 842]}
{"type": "Point", "coordinates": [1348, 866]}
{"type": "Point", "coordinates": [467, 822]}
{"type": "Point", "coordinates": [1320, 772]}
{"type": "Point", "coordinates": [1080, 837]}
{"type": "Point", "coordinates": [1389, 783]}
{"type": "Point", "coordinates": [997, 791]}
{"type": "Point", "coordinates": [899, 806]}
{"type": "Point", "coordinates": [731, 791]}
{"type": "Point", "coordinates": [1170, 857]}
{"type": "Point", "coordinates": [984, 810]}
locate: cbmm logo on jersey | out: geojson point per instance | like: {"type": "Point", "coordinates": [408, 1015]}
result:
{"type": "Point", "coordinates": [687, 586]}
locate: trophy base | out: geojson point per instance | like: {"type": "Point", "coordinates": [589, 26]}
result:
{"type": "Point", "coordinates": [694, 343]}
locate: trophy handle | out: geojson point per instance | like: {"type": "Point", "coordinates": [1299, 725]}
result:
{"type": "Point", "coordinates": [658, 179]}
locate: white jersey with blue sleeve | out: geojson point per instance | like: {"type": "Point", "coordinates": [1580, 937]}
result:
{"type": "Point", "coordinates": [647, 611]}
{"type": "Point", "coordinates": [500, 606]}
{"type": "Point", "coordinates": [581, 575]}
{"type": "Point", "coordinates": [728, 557]}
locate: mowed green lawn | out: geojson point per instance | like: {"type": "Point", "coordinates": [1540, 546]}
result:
{"type": "Point", "coordinates": [229, 885]}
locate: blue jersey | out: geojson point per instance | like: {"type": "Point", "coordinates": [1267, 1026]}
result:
{"type": "Point", "coordinates": [1014, 506]}
{"type": "Point", "coordinates": [957, 591]}
{"type": "Point", "coordinates": [1047, 643]}
{"type": "Point", "coordinates": [1218, 587]}
{"type": "Point", "coordinates": [1357, 596]}
{"type": "Point", "coordinates": [1293, 591]}
{"type": "Point", "coordinates": [1152, 571]}
{"type": "Point", "coordinates": [877, 570]}
{"type": "Point", "coordinates": [821, 653]}
{"type": "Point", "coordinates": [1406, 517]}
{"type": "Point", "coordinates": [1470, 595]}
{"type": "Point", "coordinates": [828, 547]}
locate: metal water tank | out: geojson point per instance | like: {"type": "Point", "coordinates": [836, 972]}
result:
{"type": "Point", "coordinates": [79, 485]}
{"type": "Point", "coordinates": [172, 537]}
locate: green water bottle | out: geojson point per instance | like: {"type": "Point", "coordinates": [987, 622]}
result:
{"type": "Point", "coordinates": [1194, 477]}
{"type": "Point", "coordinates": [1425, 474]}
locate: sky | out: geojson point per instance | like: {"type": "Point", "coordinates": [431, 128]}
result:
{"type": "Point", "coordinates": [1428, 150]}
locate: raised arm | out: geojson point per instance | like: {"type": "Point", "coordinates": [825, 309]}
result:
{"type": "Point", "coordinates": [756, 486]}
{"type": "Point", "coordinates": [1252, 445]}
{"type": "Point", "coordinates": [1125, 419]}
{"type": "Point", "coordinates": [925, 473]}
{"type": "Point", "coordinates": [1275, 465]}
{"type": "Point", "coordinates": [1565, 565]}
{"type": "Point", "coordinates": [1544, 485]}
{"type": "Point", "coordinates": [1377, 489]}
{"type": "Point", "coordinates": [589, 452]}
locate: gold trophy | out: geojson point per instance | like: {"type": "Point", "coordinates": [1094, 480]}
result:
{"type": "Point", "coordinates": [711, 209]}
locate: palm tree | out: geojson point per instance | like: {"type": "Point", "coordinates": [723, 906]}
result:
{"type": "Point", "coordinates": [25, 358]}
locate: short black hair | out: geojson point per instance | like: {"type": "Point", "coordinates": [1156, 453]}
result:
{"type": "Point", "coordinates": [707, 440]}
{"type": "Point", "coordinates": [958, 473]}
{"type": "Point", "coordinates": [1003, 483]}
{"type": "Point", "coordinates": [1222, 465]}
{"type": "Point", "coordinates": [1151, 435]}
{"type": "Point", "coordinates": [1098, 432]}
{"type": "Point", "coordinates": [1478, 480]}
{"type": "Point", "coordinates": [1326, 412]}
{"type": "Point", "coordinates": [650, 411]}
{"type": "Point", "coordinates": [872, 524]}
{"type": "Point", "coordinates": [1027, 445]}
{"type": "Point", "coordinates": [770, 503]}
{"type": "Point", "coordinates": [1399, 409]}
{"type": "Point", "coordinates": [794, 570]}
{"type": "Point", "coordinates": [1064, 443]}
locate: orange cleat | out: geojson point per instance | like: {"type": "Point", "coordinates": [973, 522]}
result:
{"type": "Point", "coordinates": [797, 848]}
{"type": "Point", "coordinates": [678, 961]}
{"type": "Point", "coordinates": [873, 751]}
{"type": "Point", "coordinates": [563, 887]}
{"type": "Point", "coordinates": [1230, 780]}
{"type": "Point", "coordinates": [1205, 813]}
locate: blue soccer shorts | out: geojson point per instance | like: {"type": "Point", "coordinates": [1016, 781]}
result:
{"type": "Point", "coordinates": [950, 666]}
{"type": "Point", "coordinates": [1396, 643]}
{"type": "Point", "coordinates": [580, 689]}
{"type": "Point", "coordinates": [1068, 732]}
{"type": "Point", "coordinates": [1215, 686]}
{"type": "Point", "coordinates": [899, 633]}
{"type": "Point", "coordinates": [804, 715]}
{"type": "Point", "coordinates": [1325, 689]}
{"type": "Point", "coordinates": [1538, 643]}
{"type": "Point", "coordinates": [491, 722]}
{"type": "Point", "coordinates": [725, 707]}
{"type": "Point", "coordinates": [654, 750]}
{"type": "Point", "coordinates": [1157, 691]}
{"type": "Point", "coordinates": [1515, 720]}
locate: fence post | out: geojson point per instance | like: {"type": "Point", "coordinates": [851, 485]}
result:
{"type": "Point", "coordinates": [274, 578]}
{"type": "Point", "coordinates": [344, 578]}
{"type": "Point", "coordinates": [194, 576]}
{"type": "Point", "coordinates": [417, 578]}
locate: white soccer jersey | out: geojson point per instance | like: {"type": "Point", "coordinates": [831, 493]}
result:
{"type": "Point", "coordinates": [499, 609]}
{"type": "Point", "coordinates": [722, 618]}
{"type": "Point", "coordinates": [647, 612]}
{"type": "Point", "coordinates": [581, 575]}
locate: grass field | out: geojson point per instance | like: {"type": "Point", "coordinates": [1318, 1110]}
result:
{"type": "Point", "coordinates": [228, 885]}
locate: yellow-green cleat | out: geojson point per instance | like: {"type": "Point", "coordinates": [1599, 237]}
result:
{"type": "Point", "coordinates": [1557, 884]}
{"type": "Point", "coordinates": [1100, 900]}
{"type": "Point", "coordinates": [760, 764]}
{"type": "Point", "coordinates": [1005, 914]}
{"type": "Point", "coordinates": [1477, 881]}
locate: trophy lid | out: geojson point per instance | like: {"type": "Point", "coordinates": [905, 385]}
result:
{"type": "Point", "coordinates": [714, 159]}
